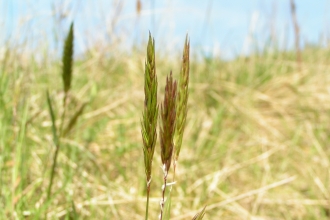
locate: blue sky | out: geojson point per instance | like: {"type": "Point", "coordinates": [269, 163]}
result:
{"type": "Point", "coordinates": [216, 27]}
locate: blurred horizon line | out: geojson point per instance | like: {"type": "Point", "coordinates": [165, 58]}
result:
{"type": "Point", "coordinates": [216, 28]}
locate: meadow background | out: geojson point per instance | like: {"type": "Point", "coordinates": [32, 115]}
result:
{"type": "Point", "coordinates": [256, 144]}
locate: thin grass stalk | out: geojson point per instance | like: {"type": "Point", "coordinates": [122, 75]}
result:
{"type": "Point", "coordinates": [181, 104]}
{"type": "Point", "coordinates": [63, 114]}
{"type": "Point", "coordinates": [296, 32]}
{"type": "Point", "coordinates": [67, 78]}
{"type": "Point", "coordinates": [167, 127]}
{"type": "Point", "coordinates": [150, 114]}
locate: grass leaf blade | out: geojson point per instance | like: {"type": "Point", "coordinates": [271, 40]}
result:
{"type": "Point", "coordinates": [200, 215]}
{"type": "Point", "coordinates": [52, 116]}
{"type": "Point", "coordinates": [74, 119]}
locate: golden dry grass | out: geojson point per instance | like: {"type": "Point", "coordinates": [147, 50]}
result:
{"type": "Point", "coordinates": [256, 144]}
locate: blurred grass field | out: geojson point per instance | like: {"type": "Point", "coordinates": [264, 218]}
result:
{"type": "Point", "coordinates": [256, 144]}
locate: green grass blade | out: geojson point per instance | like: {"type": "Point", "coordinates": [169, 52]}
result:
{"type": "Point", "coordinates": [74, 212]}
{"type": "Point", "coordinates": [52, 116]}
{"type": "Point", "coordinates": [74, 119]}
{"type": "Point", "coordinates": [57, 145]}
{"type": "Point", "coordinates": [200, 215]}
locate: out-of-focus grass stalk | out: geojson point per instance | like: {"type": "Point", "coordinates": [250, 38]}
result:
{"type": "Point", "coordinates": [150, 114]}
{"type": "Point", "coordinates": [56, 142]}
{"type": "Point", "coordinates": [67, 78]}
{"type": "Point", "coordinates": [167, 127]}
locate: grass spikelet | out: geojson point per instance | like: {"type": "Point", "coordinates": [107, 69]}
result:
{"type": "Point", "coordinates": [168, 117]}
{"type": "Point", "coordinates": [167, 126]}
{"type": "Point", "coordinates": [182, 100]}
{"type": "Point", "coordinates": [67, 60]}
{"type": "Point", "coordinates": [150, 114]}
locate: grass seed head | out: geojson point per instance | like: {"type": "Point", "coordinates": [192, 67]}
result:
{"type": "Point", "coordinates": [150, 112]}
{"type": "Point", "coordinates": [167, 126]}
{"type": "Point", "coordinates": [182, 100]}
{"type": "Point", "coordinates": [67, 60]}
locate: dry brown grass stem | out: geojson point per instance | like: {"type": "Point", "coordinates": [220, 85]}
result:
{"type": "Point", "coordinates": [296, 31]}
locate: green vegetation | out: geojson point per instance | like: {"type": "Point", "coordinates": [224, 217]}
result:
{"type": "Point", "coordinates": [150, 115]}
{"type": "Point", "coordinates": [173, 114]}
{"type": "Point", "coordinates": [255, 143]}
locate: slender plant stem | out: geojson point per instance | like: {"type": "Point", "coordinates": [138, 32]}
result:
{"type": "Point", "coordinates": [150, 114]}
{"type": "Point", "coordinates": [163, 195]}
{"type": "Point", "coordinates": [296, 32]}
{"type": "Point", "coordinates": [56, 142]}
{"type": "Point", "coordinates": [173, 181]}
{"type": "Point", "coordinates": [174, 168]}
{"type": "Point", "coordinates": [65, 100]}
{"type": "Point", "coordinates": [147, 207]}
{"type": "Point", "coordinates": [53, 171]}
{"type": "Point", "coordinates": [148, 195]}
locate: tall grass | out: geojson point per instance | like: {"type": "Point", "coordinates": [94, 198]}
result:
{"type": "Point", "coordinates": [182, 102]}
{"type": "Point", "coordinates": [172, 122]}
{"type": "Point", "coordinates": [67, 78]}
{"type": "Point", "coordinates": [255, 143]}
{"type": "Point", "coordinates": [150, 114]}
